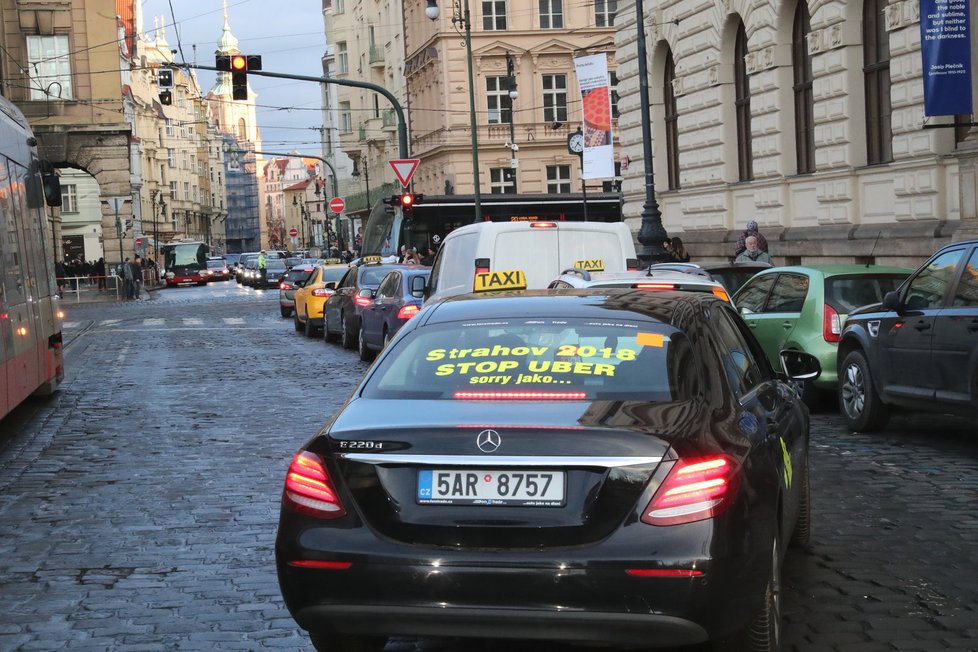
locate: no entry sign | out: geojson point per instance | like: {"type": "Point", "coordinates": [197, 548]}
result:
{"type": "Point", "coordinates": [293, 232]}
{"type": "Point", "coordinates": [337, 205]}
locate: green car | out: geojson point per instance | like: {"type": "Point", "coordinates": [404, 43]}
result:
{"type": "Point", "coordinates": [805, 308]}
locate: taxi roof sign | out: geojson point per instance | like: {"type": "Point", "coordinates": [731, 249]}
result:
{"type": "Point", "coordinates": [592, 265]}
{"type": "Point", "coordinates": [332, 261]}
{"type": "Point", "coordinates": [512, 279]}
{"type": "Point", "coordinates": [371, 259]}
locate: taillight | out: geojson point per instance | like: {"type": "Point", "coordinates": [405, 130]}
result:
{"type": "Point", "coordinates": [633, 264]}
{"type": "Point", "coordinates": [543, 225]}
{"type": "Point", "coordinates": [695, 489]}
{"type": "Point", "coordinates": [722, 294]}
{"type": "Point", "coordinates": [481, 266]}
{"type": "Point", "coordinates": [362, 301]}
{"type": "Point", "coordinates": [654, 286]}
{"type": "Point", "coordinates": [322, 292]}
{"type": "Point", "coordinates": [284, 285]}
{"type": "Point", "coordinates": [520, 396]}
{"type": "Point", "coordinates": [831, 324]}
{"type": "Point", "coordinates": [408, 311]}
{"type": "Point", "coordinates": [308, 488]}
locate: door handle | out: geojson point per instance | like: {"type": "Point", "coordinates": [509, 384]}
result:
{"type": "Point", "coordinates": [752, 324]}
{"type": "Point", "coordinates": [786, 325]}
{"type": "Point", "coordinates": [922, 326]}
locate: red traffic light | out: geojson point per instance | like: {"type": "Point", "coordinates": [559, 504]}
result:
{"type": "Point", "coordinates": [239, 62]}
{"type": "Point", "coordinates": [407, 200]}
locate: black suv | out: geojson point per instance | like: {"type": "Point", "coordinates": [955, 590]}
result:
{"type": "Point", "coordinates": [919, 348]}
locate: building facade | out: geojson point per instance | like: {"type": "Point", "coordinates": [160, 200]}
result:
{"type": "Point", "coordinates": [806, 117]}
{"type": "Point", "coordinates": [522, 140]}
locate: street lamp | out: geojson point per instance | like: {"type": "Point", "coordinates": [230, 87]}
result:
{"type": "Point", "coordinates": [432, 12]}
{"type": "Point", "coordinates": [513, 94]}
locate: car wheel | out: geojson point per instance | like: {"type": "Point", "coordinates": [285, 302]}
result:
{"type": "Point", "coordinates": [346, 643]}
{"type": "Point", "coordinates": [387, 337]}
{"type": "Point", "coordinates": [764, 632]}
{"type": "Point", "coordinates": [310, 328]}
{"type": "Point", "coordinates": [802, 534]}
{"type": "Point", "coordinates": [295, 321]}
{"type": "Point", "coordinates": [860, 404]}
{"type": "Point", "coordinates": [365, 353]}
{"type": "Point", "coordinates": [346, 337]}
{"type": "Point", "coordinates": [286, 312]}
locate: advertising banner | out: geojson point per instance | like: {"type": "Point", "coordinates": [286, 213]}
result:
{"type": "Point", "coordinates": [599, 150]}
{"type": "Point", "coordinates": [945, 48]}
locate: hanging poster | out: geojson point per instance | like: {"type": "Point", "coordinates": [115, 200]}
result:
{"type": "Point", "coordinates": [945, 48]}
{"type": "Point", "coordinates": [599, 150]}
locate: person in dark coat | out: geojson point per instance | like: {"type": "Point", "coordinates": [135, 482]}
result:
{"type": "Point", "coordinates": [751, 230]}
{"type": "Point", "coordinates": [100, 273]}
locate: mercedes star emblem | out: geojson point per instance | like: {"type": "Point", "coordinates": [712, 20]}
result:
{"type": "Point", "coordinates": [488, 441]}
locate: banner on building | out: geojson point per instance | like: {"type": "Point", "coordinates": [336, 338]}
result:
{"type": "Point", "coordinates": [945, 48]}
{"type": "Point", "coordinates": [599, 150]}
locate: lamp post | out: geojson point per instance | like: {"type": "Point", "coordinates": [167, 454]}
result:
{"type": "Point", "coordinates": [652, 233]}
{"type": "Point", "coordinates": [432, 12]}
{"type": "Point", "coordinates": [513, 94]}
{"type": "Point", "coordinates": [366, 176]}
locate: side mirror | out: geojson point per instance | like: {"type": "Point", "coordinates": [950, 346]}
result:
{"type": "Point", "coordinates": [799, 365]}
{"type": "Point", "coordinates": [366, 293]}
{"type": "Point", "coordinates": [891, 301]}
{"type": "Point", "coordinates": [418, 286]}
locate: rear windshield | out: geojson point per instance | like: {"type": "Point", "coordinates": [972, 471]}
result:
{"type": "Point", "coordinates": [294, 275]}
{"type": "Point", "coordinates": [214, 264]}
{"type": "Point", "coordinates": [275, 263]}
{"type": "Point", "coordinates": [846, 293]}
{"type": "Point", "coordinates": [734, 279]}
{"type": "Point", "coordinates": [372, 275]}
{"type": "Point", "coordinates": [578, 359]}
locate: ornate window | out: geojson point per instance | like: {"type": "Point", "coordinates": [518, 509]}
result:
{"type": "Point", "coordinates": [745, 158]}
{"type": "Point", "coordinates": [672, 122]}
{"type": "Point", "coordinates": [801, 62]}
{"type": "Point", "coordinates": [876, 72]}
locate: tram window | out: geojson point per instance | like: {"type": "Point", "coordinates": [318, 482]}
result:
{"type": "Point", "coordinates": [12, 266]}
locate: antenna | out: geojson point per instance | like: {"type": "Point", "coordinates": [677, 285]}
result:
{"type": "Point", "coordinates": [873, 250]}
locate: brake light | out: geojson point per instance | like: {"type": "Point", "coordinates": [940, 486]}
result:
{"type": "Point", "coordinates": [831, 324]}
{"type": "Point", "coordinates": [663, 572]}
{"type": "Point", "coordinates": [481, 266]}
{"type": "Point", "coordinates": [320, 564]}
{"type": "Point", "coordinates": [722, 294]}
{"type": "Point", "coordinates": [308, 488]}
{"type": "Point", "coordinates": [322, 292]}
{"type": "Point", "coordinates": [362, 301]}
{"type": "Point", "coordinates": [654, 286]}
{"type": "Point", "coordinates": [633, 264]}
{"type": "Point", "coordinates": [285, 285]}
{"type": "Point", "coordinates": [520, 396]}
{"type": "Point", "coordinates": [695, 489]}
{"type": "Point", "coordinates": [408, 311]}
{"type": "Point", "coordinates": [543, 225]}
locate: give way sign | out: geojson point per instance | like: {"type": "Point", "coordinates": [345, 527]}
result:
{"type": "Point", "coordinates": [404, 169]}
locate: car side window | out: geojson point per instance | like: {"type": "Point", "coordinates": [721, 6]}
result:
{"type": "Point", "coordinates": [388, 285]}
{"type": "Point", "coordinates": [740, 362]}
{"type": "Point", "coordinates": [349, 279]}
{"type": "Point", "coordinates": [966, 294]}
{"type": "Point", "coordinates": [788, 294]}
{"type": "Point", "coordinates": [750, 298]}
{"type": "Point", "coordinates": [929, 287]}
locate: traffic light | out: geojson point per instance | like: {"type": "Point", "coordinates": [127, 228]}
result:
{"type": "Point", "coordinates": [239, 65]}
{"type": "Point", "coordinates": [164, 81]}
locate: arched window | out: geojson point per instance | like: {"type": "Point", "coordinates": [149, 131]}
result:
{"type": "Point", "coordinates": [242, 129]}
{"type": "Point", "coordinates": [876, 71]}
{"type": "Point", "coordinates": [801, 61]}
{"type": "Point", "coordinates": [745, 158]}
{"type": "Point", "coordinates": [672, 122]}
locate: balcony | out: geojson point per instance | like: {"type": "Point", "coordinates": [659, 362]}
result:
{"type": "Point", "coordinates": [376, 55]}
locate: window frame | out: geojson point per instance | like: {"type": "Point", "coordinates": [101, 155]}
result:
{"type": "Point", "coordinates": [725, 320]}
{"type": "Point", "coordinates": [69, 198]}
{"type": "Point", "coordinates": [773, 293]}
{"type": "Point", "coordinates": [501, 186]}
{"type": "Point", "coordinates": [554, 97]}
{"type": "Point", "coordinates": [499, 97]}
{"type": "Point", "coordinates": [45, 69]}
{"type": "Point", "coordinates": [492, 21]}
{"type": "Point", "coordinates": [877, 84]}
{"type": "Point", "coordinates": [802, 90]}
{"type": "Point", "coordinates": [745, 155]}
{"type": "Point", "coordinates": [342, 58]}
{"type": "Point", "coordinates": [551, 14]}
{"type": "Point", "coordinates": [605, 12]}
{"type": "Point", "coordinates": [945, 297]}
{"type": "Point", "coordinates": [555, 181]}
{"type": "Point", "coordinates": [970, 262]}
{"type": "Point", "coordinates": [671, 108]}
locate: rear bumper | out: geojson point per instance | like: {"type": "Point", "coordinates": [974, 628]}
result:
{"type": "Point", "coordinates": [534, 624]}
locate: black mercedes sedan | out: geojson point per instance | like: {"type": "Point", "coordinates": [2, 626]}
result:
{"type": "Point", "coordinates": [607, 467]}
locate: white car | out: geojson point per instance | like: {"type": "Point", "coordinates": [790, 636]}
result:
{"type": "Point", "coordinates": [647, 279]}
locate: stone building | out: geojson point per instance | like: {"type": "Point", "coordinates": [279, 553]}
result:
{"type": "Point", "coordinates": [806, 117]}
{"type": "Point", "coordinates": [538, 40]}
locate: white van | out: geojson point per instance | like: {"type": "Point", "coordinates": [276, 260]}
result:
{"type": "Point", "coordinates": [541, 250]}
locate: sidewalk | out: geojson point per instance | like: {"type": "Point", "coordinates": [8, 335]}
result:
{"type": "Point", "coordinates": [91, 294]}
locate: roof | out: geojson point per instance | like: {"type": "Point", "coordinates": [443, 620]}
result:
{"type": "Point", "coordinates": [837, 270]}
{"type": "Point", "coordinates": [302, 185]}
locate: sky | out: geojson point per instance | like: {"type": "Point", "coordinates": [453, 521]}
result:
{"type": "Point", "coordinates": [288, 34]}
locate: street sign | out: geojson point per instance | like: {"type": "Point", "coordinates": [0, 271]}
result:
{"type": "Point", "coordinates": [139, 242]}
{"type": "Point", "coordinates": [404, 169]}
{"type": "Point", "coordinates": [337, 205]}
{"type": "Point", "coordinates": [293, 232]}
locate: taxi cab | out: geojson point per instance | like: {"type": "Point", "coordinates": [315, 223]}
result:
{"type": "Point", "coordinates": [604, 466]}
{"type": "Point", "coordinates": [309, 299]}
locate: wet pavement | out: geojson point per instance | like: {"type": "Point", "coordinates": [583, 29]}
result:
{"type": "Point", "coordinates": [138, 506]}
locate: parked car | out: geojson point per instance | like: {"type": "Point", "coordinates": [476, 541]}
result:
{"type": "Point", "coordinates": [294, 279]}
{"type": "Point", "coordinates": [804, 308]}
{"type": "Point", "coordinates": [653, 280]}
{"type": "Point", "coordinates": [598, 466]}
{"type": "Point", "coordinates": [397, 299]}
{"type": "Point", "coordinates": [342, 309]}
{"type": "Point", "coordinates": [916, 349]}
{"type": "Point", "coordinates": [312, 295]}
{"type": "Point", "coordinates": [731, 275]}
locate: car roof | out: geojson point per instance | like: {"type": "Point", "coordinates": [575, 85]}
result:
{"type": "Point", "coordinates": [840, 270]}
{"type": "Point", "coordinates": [598, 279]}
{"type": "Point", "coordinates": [606, 303]}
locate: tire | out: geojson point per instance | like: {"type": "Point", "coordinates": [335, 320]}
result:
{"type": "Point", "coordinates": [858, 400]}
{"type": "Point", "coordinates": [286, 312]}
{"type": "Point", "coordinates": [365, 353]}
{"type": "Point", "coordinates": [802, 534]}
{"type": "Point", "coordinates": [310, 328]}
{"type": "Point", "coordinates": [346, 337]}
{"type": "Point", "coordinates": [387, 337]}
{"type": "Point", "coordinates": [299, 326]}
{"type": "Point", "coordinates": [345, 643]}
{"type": "Point", "coordinates": [763, 634]}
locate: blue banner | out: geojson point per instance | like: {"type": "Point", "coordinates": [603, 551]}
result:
{"type": "Point", "coordinates": [945, 47]}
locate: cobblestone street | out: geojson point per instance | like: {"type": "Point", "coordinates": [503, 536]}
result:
{"type": "Point", "coordinates": [138, 506]}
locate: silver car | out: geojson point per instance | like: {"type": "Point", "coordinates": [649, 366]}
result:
{"type": "Point", "coordinates": [647, 279]}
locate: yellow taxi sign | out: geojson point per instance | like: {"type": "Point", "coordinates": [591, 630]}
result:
{"type": "Point", "coordinates": [332, 261]}
{"type": "Point", "coordinates": [511, 279]}
{"type": "Point", "coordinates": [592, 265]}
{"type": "Point", "coordinates": [370, 259]}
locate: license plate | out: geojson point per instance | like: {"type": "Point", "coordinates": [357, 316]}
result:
{"type": "Point", "coordinates": [512, 487]}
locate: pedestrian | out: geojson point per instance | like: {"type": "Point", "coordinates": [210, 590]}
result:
{"type": "Point", "coordinates": [100, 273]}
{"type": "Point", "coordinates": [678, 250]}
{"type": "Point", "coordinates": [262, 269]}
{"type": "Point", "coordinates": [751, 230]}
{"type": "Point", "coordinates": [127, 277]}
{"type": "Point", "coordinates": [429, 258]}
{"type": "Point", "coordinates": [137, 278]}
{"type": "Point", "coordinates": [753, 253]}
{"type": "Point", "coordinates": [403, 256]}
{"type": "Point", "coordinates": [59, 273]}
